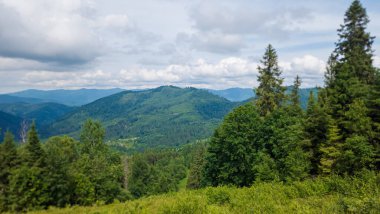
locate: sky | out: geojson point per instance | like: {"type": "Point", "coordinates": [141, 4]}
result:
{"type": "Point", "coordinates": [217, 44]}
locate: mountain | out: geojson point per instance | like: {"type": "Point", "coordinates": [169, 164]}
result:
{"type": "Point", "coordinates": [9, 122]}
{"type": "Point", "coordinates": [242, 94]}
{"type": "Point", "coordinates": [166, 115]}
{"type": "Point", "coordinates": [234, 94]}
{"type": "Point", "coordinates": [5, 98]}
{"type": "Point", "coordinates": [68, 97]}
{"type": "Point", "coordinates": [42, 113]}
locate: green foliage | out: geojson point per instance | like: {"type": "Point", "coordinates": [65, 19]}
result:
{"type": "Point", "coordinates": [92, 137]}
{"type": "Point", "coordinates": [8, 160]}
{"type": "Point", "coordinates": [155, 172]}
{"type": "Point", "coordinates": [28, 188]}
{"type": "Point", "coordinates": [270, 93]}
{"type": "Point", "coordinates": [265, 168]}
{"type": "Point", "coordinates": [34, 154]}
{"type": "Point", "coordinates": [231, 150]}
{"type": "Point", "coordinates": [61, 153]}
{"type": "Point", "coordinates": [330, 150]}
{"type": "Point", "coordinates": [196, 178]}
{"type": "Point", "coordinates": [315, 129]}
{"type": "Point", "coordinates": [333, 194]}
{"type": "Point", "coordinates": [61, 172]}
{"type": "Point", "coordinates": [350, 78]}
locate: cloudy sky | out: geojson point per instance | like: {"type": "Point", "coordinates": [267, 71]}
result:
{"type": "Point", "coordinates": [50, 44]}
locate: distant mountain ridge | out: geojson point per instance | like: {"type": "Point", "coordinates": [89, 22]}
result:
{"type": "Point", "coordinates": [234, 94]}
{"type": "Point", "coordinates": [41, 113]}
{"type": "Point", "coordinates": [6, 98]}
{"type": "Point", "coordinates": [67, 97]}
{"type": "Point", "coordinates": [243, 94]}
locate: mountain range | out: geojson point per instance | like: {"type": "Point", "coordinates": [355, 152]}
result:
{"type": "Point", "coordinates": [67, 97]}
{"type": "Point", "coordinates": [166, 115]}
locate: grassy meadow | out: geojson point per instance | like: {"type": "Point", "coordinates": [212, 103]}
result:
{"type": "Point", "coordinates": [322, 195]}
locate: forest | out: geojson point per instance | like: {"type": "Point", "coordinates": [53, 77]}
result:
{"type": "Point", "coordinates": [268, 155]}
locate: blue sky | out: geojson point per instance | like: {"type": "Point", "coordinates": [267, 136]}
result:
{"type": "Point", "coordinates": [50, 44]}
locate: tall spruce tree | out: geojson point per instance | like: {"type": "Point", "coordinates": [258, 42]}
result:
{"type": "Point", "coordinates": [349, 79]}
{"type": "Point", "coordinates": [295, 97]}
{"type": "Point", "coordinates": [8, 161]}
{"type": "Point", "coordinates": [35, 155]}
{"type": "Point", "coordinates": [355, 44]}
{"type": "Point", "coordinates": [270, 93]}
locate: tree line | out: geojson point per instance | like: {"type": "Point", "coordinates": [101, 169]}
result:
{"type": "Point", "coordinates": [60, 172]}
{"type": "Point", "coordinates": [273, 139]}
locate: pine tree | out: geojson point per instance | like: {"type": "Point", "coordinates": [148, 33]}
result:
{"type": "Point", "coordinates": [355, 44]}
{"type": "Point", "coordinates": [295, 104]}
{"type": "Point", "coordinates": [8, 161]}
{"type": "Point", "coordinates": [270, 93]}
{"type": "Point", "coordinates": [8, 158]}
{"type": "Point", "coordinates": [349, 79]}
{"type": "Point", "coordinates": [35, 155]}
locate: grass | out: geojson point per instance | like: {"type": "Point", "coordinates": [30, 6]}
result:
{"type": "Point", "coordinates": [322, 195]}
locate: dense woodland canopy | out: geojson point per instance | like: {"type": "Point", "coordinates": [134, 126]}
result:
{"type": "Point", "coordinates": [271, 139]}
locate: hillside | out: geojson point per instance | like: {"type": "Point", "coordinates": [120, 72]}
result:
{"type": "Point", "coordinates": [42, 113]}
{"type": "Point", "coordinates": [5, 98]}
{"type": "Point", "coordinates": [166, 116]}
{"type": "Point", "coordinates": [9, 122]}
{"type": "Point", "coordinates": [68, 97]}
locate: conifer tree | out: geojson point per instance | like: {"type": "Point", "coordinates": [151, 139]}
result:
{"type": "Point", "coordinates": [34, 153]}
{"type": "Point", "coordinates": [270, 93]}
{"type": "Point", "coordinates": [374, 114]}
{"type": "Point", "coordinates": [330, 150]}
{"type": "Point", "coordinates": [355, 44]}
{"type": "Point", "coordinates": [315, 128]}
{"type": "Point", "coordinates": [350, 78]}
{"type": "Point", "coordinates": [295, 103]}
{"type": "Point", "coordinates": [8, 161]}
{"type": "Point", "coordinates": [8, 158]}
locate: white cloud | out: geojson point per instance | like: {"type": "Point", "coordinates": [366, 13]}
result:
{"type": "Point", "coordinates": [47, 30]}
{"type": "Point", "coordinates": [308, 67]}
{"type": "Point", "coordinates": [376, 61]}
{"type": "Point", "coordinates": [10, 64]}
{"type": "Point", "coordinates": [118, 22]}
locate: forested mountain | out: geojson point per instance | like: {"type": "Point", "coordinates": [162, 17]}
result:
{"type": "Point", "coordinates": [5, 98]}
{"type": "Point", "coordinates": [163, 116]}
{"type": "Point", "coordinates": [68, 97]}
{"type": "Point", "coordinates": [42, 113]}
{"type": "Point", "coordinates": [9, 122]}
{"type": "Point", "coordinates": [234, 94]}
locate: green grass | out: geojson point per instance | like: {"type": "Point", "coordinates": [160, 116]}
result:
{"type": "Point", "coordinates": [323, 195]}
